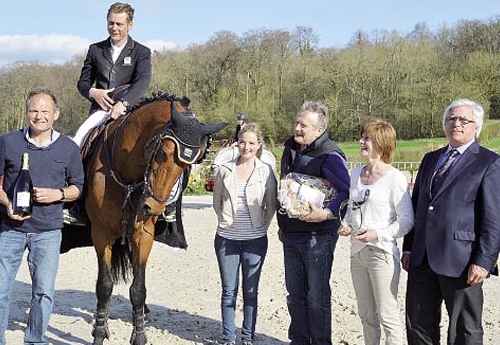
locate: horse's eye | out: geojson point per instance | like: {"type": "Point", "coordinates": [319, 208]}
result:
{"type": "Point", "coordinates": [163, 153]}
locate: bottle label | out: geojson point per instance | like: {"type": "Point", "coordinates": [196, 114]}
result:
{"type": "Point", "coordinates": [23, 199]}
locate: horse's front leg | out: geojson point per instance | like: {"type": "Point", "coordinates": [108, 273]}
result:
{"type": "Point", "coordinates": [138, 299]}
{"type": "Point", "coordinates": [140, 253]}
{"type": "Point", "coordinates": [104, 288]}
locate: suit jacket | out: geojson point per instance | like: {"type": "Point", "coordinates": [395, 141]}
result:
{"type": "Point", "coordinates": [133, 66]}
{"type": "Point", "coordinates": [460, 225]}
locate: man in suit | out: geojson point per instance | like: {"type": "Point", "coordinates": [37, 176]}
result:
{"type": "Point", "coordinates": [455, 241]}
{"type": "Point", "coordinates": [116, 61]}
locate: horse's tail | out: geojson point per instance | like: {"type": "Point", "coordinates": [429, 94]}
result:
{"type": "Point", "coordinates": [121, 261]}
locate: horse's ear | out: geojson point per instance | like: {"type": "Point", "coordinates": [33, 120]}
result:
{"type": "Point", "coordinates": [175, 116]}
{"type": "Point", "coordinates": [185, 102]}
{"type": "Point", "coordinates": [212, 128]}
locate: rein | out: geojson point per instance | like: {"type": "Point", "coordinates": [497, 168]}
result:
{"type": "Point", "coordinates": [156, 140]}
{"type": "Point", "coordinates": [130, 188]}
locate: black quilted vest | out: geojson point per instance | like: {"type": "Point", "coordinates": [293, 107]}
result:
{"type": "Point", "coordinates": [308, 162]}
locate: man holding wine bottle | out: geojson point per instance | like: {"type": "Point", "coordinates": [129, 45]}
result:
{"type": "Point", "coordinates": [40, 169]}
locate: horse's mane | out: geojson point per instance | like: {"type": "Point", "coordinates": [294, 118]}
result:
{"type": "Point", "coordinates": [161, 96]}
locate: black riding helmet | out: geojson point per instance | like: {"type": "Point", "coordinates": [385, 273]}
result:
{"type": "Point", "coordinates": [241, 116]}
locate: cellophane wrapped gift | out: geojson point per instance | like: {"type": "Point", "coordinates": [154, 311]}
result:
{"type": "Point", "coordinates": [298, 190]}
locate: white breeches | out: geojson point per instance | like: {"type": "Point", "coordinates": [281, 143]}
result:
{"type": "Point", "coordinates": [94, 120]}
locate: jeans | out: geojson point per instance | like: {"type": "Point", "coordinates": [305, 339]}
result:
{"type": "Point", "coordinates": [308, 266]}
{"type": "Point", "coordinates": [375, 276]}
{"type": "Point", "coordinates": [43, 261]}
{"type": "Point", "coordinates": [231, 255]}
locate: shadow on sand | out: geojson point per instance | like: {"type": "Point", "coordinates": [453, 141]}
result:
{"type": "Point", "coordinates": [74, 304]}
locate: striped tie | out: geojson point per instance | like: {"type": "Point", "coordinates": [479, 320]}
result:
{"type": "Point", "coordinates": [443, 171]}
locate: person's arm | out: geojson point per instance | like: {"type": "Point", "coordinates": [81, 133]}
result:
{"type": "Point", "coordinates": [139, 83]}
{"type": "Point", "coordinates": [74, 181]}
{"type": "Point", "coordinates": [87, 76]}
{"type": "Point", "coordinates": [335, 171]}
{"type": "Point", "coordinates": [271, 197]}
{"type": "Point", "coordinates": [141, 78]}
{"type": "Point", "coordinates": [488, 242]}
{"type": "Point", "coordinates": [400, 200]}
{"type": "Point", "coordinates": [217, 196]}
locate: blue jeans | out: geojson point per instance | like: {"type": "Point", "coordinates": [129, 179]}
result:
{"type": "Point", "coordinates": [308, 266]}
{"type": "Point", "coordinates": [231, 255]}
{"type": "Point", "coordinates": [43, 261]}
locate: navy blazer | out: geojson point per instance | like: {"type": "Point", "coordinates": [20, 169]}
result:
{"type": "Point", "coordinates": [133, 66]}
{"type": "Point", "coordinates": [460, 225]}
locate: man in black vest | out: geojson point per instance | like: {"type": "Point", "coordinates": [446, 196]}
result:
{"type": "Point", "coordinates": [309, 241]}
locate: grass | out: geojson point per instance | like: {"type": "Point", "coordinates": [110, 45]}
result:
{"type": "Point", "coordinates": [414, 150]}
{"type": "Point", "coordinates": [406, 151]}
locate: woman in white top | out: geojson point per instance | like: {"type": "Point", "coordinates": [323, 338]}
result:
{"type": "Point", "coordinates": [380, 211]}
{"type": "Point", "coordinates": [245, 202]}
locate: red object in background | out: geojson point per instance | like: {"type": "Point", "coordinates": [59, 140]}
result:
{"type": "Point", "coordinates": [209, 185]}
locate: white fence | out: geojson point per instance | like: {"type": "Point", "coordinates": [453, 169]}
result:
{"type": "Point", "coordinates": [403, 166]}
{"type": "Point", "coordinates": [408, 168]}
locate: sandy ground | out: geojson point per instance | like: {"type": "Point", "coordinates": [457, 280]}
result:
{"type": "Point", "coordinates": [184, 294]}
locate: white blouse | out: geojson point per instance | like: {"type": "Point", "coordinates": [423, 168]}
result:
{"type": "Point", "coordinates": [388, 210]}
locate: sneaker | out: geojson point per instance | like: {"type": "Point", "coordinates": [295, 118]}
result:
{"type": "Point", "coordinates": [246, 343]}
{"type": "Point", "coordinates": [72, 219]}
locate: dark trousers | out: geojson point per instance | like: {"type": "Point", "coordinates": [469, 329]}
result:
{"type": "Point", "coordinates": [426, 290]}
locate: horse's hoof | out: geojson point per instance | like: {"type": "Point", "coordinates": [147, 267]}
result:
{"type": "Point", "coordinates": [99, 334]}
{"type": "Point", "coordinates": [138, 338]}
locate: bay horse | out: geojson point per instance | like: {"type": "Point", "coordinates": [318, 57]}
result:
{"type": "Point", "coordinates": [130, 173]}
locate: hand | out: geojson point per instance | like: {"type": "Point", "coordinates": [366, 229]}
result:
{"type": "Point", "coordinates": [280, 235]}
{"type": "Point", "coordinates": [10, 213]}
{"type": "Point", "coordinates": [46, 195]}
{"type": "Point", "coordinates": [315, 216]}
{"type": "Point", "coordinates": [100, 96]}
{"type": "Point", "coordinates": [476, 275]}
{"type": "Point", "coordinates": [118, 110]}
{"type": "Point", "coordinates": [345, 229]}
{"type": "Point", "coordinates": [368, 236]}
{"type": "Point", "coordinates": [405, 261]}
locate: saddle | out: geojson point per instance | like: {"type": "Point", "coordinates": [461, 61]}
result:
{"type": "Point", "coordinates": [116, 95]}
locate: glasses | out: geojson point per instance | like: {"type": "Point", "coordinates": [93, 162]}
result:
{"type": "Point", "coordinates": [461, 120]}
{"type": "Point", "coordinates": [355, 207]}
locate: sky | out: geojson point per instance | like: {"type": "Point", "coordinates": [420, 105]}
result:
{"type": "Point", "coordinates": [56, 30]}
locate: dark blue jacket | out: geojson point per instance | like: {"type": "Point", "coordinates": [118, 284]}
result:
{"type": "Point", "coordinates": [133, 67]}
{"type": "Point", "coordinates": [460, 225]}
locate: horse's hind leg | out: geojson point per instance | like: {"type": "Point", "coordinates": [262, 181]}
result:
{"type": "Point", "coordinates": [104, 288]}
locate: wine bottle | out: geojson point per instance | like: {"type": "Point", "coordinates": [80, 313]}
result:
{"type": "Point", "coordinates": [22, 203]}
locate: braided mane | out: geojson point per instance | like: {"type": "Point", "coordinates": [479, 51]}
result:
{"type": "Point", "coordinates": [161, 96]}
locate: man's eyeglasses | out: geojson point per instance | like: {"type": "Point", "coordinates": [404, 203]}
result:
{"type": "Point", "coordinates": [461, 120]}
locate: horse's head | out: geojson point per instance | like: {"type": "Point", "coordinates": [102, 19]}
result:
{"type": "Point", "coordinates": [182, 142]}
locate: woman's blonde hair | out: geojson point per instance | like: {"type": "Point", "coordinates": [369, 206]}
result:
{"type": "Point", "coordinates": [383, 136]}
{"type": "Point", "coordinates": [253, 128]}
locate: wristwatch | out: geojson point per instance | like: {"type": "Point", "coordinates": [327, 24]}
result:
{"type": "Point", "coordinates": [63, 194]}
{"type": "Point", "coordinates": [125, 103]}
{"type": "Point", "coordinates": [330, 214]}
